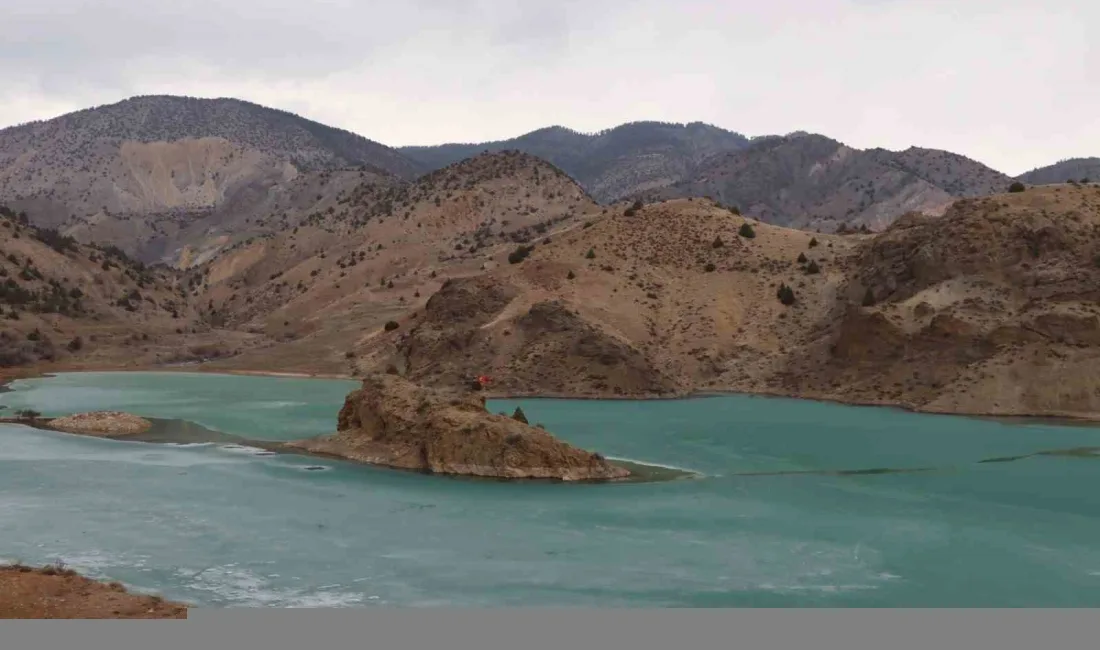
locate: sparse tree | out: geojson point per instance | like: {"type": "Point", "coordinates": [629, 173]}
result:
{"type": "Point", "coordinates": [746, 231]}
{"type": "Point", "coordinates": [813, 242]}
{"type": "Point", "coordinates": [391, 325]}
{"type": "Point", "coordinates": [868, 297]}
{"type": "Point", "coordinates": [717, 243]}
{"type": "Point", "coordinates": [813, 268]}
{"type": "Point", "coordinates": [591, 254]}
{"type": "Point", "coordinates": [801, 258]}
{"type": "Point", "coordinates": [519, 416]}
{"type": "Point", "coordinates": [1017, 187]}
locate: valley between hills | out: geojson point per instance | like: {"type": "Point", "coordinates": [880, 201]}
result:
{"type": "Point", "coordinates": [648, 261]}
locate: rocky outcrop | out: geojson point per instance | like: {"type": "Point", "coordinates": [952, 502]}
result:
{"type": "Point", "coordinates": [107, 424]}
{"type": "Point", "coordinates": [393, 422]}
{"type": "Point", "coordinates": [476, 325]}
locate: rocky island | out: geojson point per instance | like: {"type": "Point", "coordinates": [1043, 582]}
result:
{"type": "Point", "coordinates": [106, 424]}
{"type": "Point", "coordinates": [393, 422]}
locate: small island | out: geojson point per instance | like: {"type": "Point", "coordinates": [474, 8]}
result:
{"type": "Point", "coordinates": [393, 422]}
{"type": "Point", "coordinates": [105, 424]}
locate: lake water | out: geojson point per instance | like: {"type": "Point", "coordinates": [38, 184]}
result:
{"type": "Point", "coordinates": [768, 521]}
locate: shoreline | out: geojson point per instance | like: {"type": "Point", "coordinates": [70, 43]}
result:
{"type": "Point", "coordinates": [9, 375]}
{"type": "Point", "coordinates": [58, 592]}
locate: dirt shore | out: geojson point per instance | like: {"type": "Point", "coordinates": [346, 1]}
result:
{"type": "Point", "coordinates": [56, 592]}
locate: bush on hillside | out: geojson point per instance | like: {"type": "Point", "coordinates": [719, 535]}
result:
{"type": "Point", "coordinates": [746, 231]}
{"type": "Point", "coordinates": [391, 325]}
{"type": "Point", "coordinates": [785, 295]}
{"type": "Point", "coordinates": [1017, 187]}
{"type": "Point", "coordinates": [520, 254]}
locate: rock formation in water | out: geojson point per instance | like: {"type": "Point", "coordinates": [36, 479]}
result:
{"type": "Point", "coordinates": [107, 424]}
{"type": "Point", "coordinates": [392, 422]}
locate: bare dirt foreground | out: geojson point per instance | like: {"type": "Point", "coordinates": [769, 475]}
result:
{"type": "Point", "coordinates": [57, 592]}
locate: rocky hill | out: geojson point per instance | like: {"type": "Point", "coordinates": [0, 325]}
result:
{"type": "Point", "coordinates": [671, 298]}
{"type": "Point", "coordinates": [812, 182]}
{"type": "Point", "coordinates": [320, 287]}
{"type": "Point", "coordinates": [1075, 169]}
{"type": "Point", "coordinates": [72, 304]}
{"type": "Point", "coordinates": [991, 308]}
{"type": "Point", "coordinates": [141, 173]}
{"type": "Point", "coordinates": [610, 164]}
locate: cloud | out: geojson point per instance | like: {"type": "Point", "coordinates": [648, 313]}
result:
{"type": "Point", "coordinates": [1015, 84]}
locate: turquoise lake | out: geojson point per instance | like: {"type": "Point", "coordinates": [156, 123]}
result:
{"type": "Point", "coordinates": [768, 521]}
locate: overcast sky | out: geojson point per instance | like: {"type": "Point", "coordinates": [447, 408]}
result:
{"type": "Point", "coordinates": [1012, 83]}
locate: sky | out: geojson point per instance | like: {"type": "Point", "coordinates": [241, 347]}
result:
{"type": "Point", "coordinates": [1014, 84]}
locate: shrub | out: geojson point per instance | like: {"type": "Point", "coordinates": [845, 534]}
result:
{"type": "Point", "coordinates": [519, 416]}
{"type": "Point", "coordinates": [746, 231]}
{"type": "Point", "coordinates": [520, 254]}
{"type": "Point", "coordinates": [717, 243]}
{"type": "Point", "coordinates": [868, 297]}
{"type": "Point", "coordinates": [735, 210]}
{"type": "Point", "coordinates": [785, 295]}
{"type": "Point", "coordinates": [75, 345]}
{"type": "Point", "coordinates": [813, 242]}
{"type": "Point", "coordinates": [709, 268]}
{"type": "Point", "coordinates": [801, 258]}
{"type": "Point", "coordinates": [813, 268]}
{"type": "Point", "coordinates": [391, 325]}
{"type": "Point", "coordinates": [571, 275]}
{"type": "Point", "coordinates": [591, 254]}
{"type": "Point", "coordinates": [1017, 187]}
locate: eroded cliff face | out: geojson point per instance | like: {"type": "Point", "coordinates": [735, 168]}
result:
{"type": "Point", "coordinates": [393, 422]}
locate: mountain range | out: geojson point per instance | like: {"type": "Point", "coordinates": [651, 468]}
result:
{"type": "Point", "coordinates": [177, 179]}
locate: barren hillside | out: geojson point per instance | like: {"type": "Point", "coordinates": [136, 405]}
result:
{"type": "Point", "coordinates": [1081, 170]}
{"type": "Point", "coordinates": [335, 280]}
{"type": "Point", "coordinates": [991, 308]}
{"type": "Point", "coordinates": [138, 173]}
{"type": "Point", "coordinates": [812, 182]}
{"type": "Point", "coordinates": [666, 299]}
{"type": "Point", "coordinates": [75, 305]}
